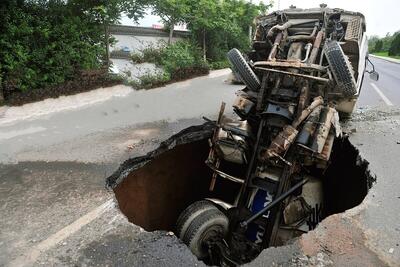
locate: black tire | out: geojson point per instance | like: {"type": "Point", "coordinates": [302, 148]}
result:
{"type": "Point", "coordinates": [241, 67]}
{"type": "Point", "coordinates": [341, 68]}
{"type": "Point", "coordinates": [209, 224]}
{"type": "Point", "coordinates": [187, 216]}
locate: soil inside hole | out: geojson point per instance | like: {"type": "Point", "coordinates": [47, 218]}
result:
{"type": "Point", "coordinates": [153, 190]}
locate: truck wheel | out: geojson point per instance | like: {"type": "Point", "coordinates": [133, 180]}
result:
{"type": "Point", "coordinates": [208, 225]}
{"type": "Point", "coordinates": [341, 68]}
{"type": "Point", "coordinates": [241, 67]}
{"type": "Point", "coordinates": [187, 216]}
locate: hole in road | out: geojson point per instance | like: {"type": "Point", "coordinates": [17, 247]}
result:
{"type": "Point", "coordinates": [153, 195]}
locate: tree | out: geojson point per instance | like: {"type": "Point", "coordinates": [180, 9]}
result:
{"type": "Point", "coordinates": [378, 46]}
{"type": "Point", "coordinates": [221, 25]}
{"type": "Point", "coordinates": [394, 49]}
{"type": "Point", "coordinates": [171, 12]}
{"type": "Point", "coordinates": [387, 41]}
{"type": "Point", "coordinates": [371, 43]}
{"type": "Point", "coordinates": [48, 42]}
{"type": "Point", "coordinates": [107, 12]}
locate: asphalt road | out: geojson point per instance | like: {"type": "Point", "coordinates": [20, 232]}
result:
{"type": "Point", "coordinates": [384, 92]}
{"type": "Point", "coordinates": [20, 139]}
{"type": "Point", "coordinates": [54, 209]}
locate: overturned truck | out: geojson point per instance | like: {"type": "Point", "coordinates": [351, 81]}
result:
{"type": "Point", "coordinates": [265, 174]}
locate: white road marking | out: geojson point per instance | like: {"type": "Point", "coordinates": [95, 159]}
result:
{"type": "Point", "coordinates": [29, 258]}
{"type": "Point", "coordinates": [384, 98]}
{"type": "Point", "coordinates": [12, 134]}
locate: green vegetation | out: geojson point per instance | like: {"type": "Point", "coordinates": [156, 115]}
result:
{"type": "Point", "coordinates": [181, 56]}
{"type": "Point", "coordinates": [180, 60]}
{"type": "Point", "coordinates": [388, 46]}
{"type": "Point", "coordinates": [394, 49]}
{"type": "Point", "coordinates": [35, 54]}
{"type": "Point", "coordinates": [46, 43]}
{"type": "Point", "coordinates": [216, 65]}
{"type": "Point", "coordinates": [171, 12]}
{"type": "Point", "coordinates": [385, 54]}
{"type": "Point", "coordinates": [151, 54]}
{"type": "Point", "coordinates": [149, 80]}
{"type": "Point", "coordinates": [216, 27]}
{"type": "Point", "coordinates": [153, 80]}
{"type": "Point", "coordinates": [219, 26]}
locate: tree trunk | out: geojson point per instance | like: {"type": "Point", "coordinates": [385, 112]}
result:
{"type": "Point", "coordinates": [171, 33]}
{"type": "Point", "coordinates": [107, 42]}
{"type": "Point", "coordinates": [204, 45]}
{"type": "Point", "coordinates": [1, 95]}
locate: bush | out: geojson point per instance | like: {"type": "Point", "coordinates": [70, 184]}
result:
{"type": "Point", "coordinates": [137, 58]}
{"type": "Point", "coordinates": [150, 54]}
{"type": "Point", "coordinates": [219, 65]}
{"type": "Point", "coordinates": [148, 80]}
{"type": "Point", "coordinates": [45, 44]}
{"type": "Point", "coordinates": [153, 54]}
{"type": "Point", "coordinates": [181, 55]}
{"type": "Point", "coordinates": [181, 60]}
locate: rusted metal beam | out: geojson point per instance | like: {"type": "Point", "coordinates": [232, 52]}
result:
{"type": "Point", "coordinates": [281, 143]}
{"type": "Point", "coordinates": [309, 77]}
{"type": "Point", "coordinates": [225, 175]}
{"type": "Point", "coordinates": [291, 64]}
{"type": "Point", "coordinates": [212, 150]}
{"type": "Point", "coordinates": [274, 49]}
{"type": "Point", "coordinates": [304, 114]}
{"type": "Point", "coordinates": [303, 98]}
{"type": "Point", "coordinates": [323, 130]}
{"type": "Point", "coordinates": [316, 46]}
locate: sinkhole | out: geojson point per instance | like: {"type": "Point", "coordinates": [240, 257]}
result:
{"type": "Point", "coordinates": [154, 189]}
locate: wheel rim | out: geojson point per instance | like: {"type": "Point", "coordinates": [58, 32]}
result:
{"type": "Point", "coordinates": [214, 232]}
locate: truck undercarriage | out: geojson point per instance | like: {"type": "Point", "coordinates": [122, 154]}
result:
{"type": "Point", "coordinates": [306, 66]}
{"type": "Point", "coordinates": [278, 168]}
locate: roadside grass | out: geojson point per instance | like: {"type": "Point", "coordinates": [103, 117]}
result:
{"type": "Point", "coordinates": [385, 54]}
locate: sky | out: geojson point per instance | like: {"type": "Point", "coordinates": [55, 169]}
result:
{"type": "Point", "coordinates": [382, 16]}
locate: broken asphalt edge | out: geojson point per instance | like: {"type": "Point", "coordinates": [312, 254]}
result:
{"type": "Point", "coordinates": [332, 242]}
{"type": "Point", "coordinates": [340, 239]}
{"type": "Point", "coordinates": [190, 134]}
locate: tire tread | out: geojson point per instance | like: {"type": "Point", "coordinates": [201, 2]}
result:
{"type": "Point", "coordinates": [341, 68]}
{"type": "Point", "coordinates": [241, 67]}
{"type": "Point", "coordinates": [189, 211]}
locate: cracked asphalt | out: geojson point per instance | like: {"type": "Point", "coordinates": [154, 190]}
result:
{"type": "Point", "coordinates": [55, 210]}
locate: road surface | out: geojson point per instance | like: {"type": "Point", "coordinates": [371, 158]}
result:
{"type": "Point", "coordinates": [384, 92]}
{"type": "Point", "coordinates": [54, 209]}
